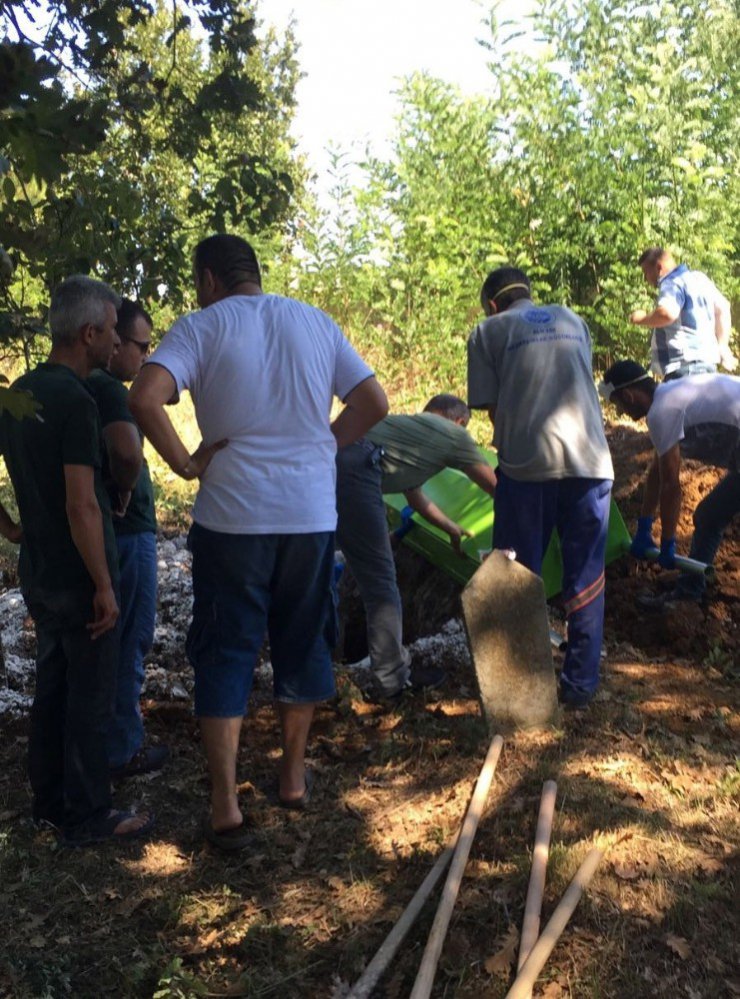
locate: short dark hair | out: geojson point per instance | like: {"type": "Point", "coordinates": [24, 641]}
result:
{"type": "Point", "coordinates": [625, 374]}
{"type": "Point", "coordinates": [229, 258]}
{"type": "Point", "coordinates": [450, 406]}
{"type": "Point", "coordinates": [128, 312]}
{"type": "Point", "coordinates": [503, 286]}
{"type": "Point", "coordinates": [652, 255]}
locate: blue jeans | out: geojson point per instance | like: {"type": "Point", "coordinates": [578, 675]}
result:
{"type": "Point", "coordinates": [244, 585]}
{"type": "Point", "coordinates": [362, 534]}
{"type": "Point", "coordinates": [690, 368]}
{"type": "Point", "coordinates": [525, 515]}
{"type": "Point", "coordinates": [137, 560]}
{"type": "Point", "coordinates": [711, 517]}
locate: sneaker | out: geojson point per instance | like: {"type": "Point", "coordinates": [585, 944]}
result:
{"type": "Point", "coordinates": [420, 678]}
{"type": "Point", "coordinates": [425, 678]}
{"type": "Point", "coordinates": [146, 760]}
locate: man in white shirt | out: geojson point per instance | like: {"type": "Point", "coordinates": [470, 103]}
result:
{"type": "Point", "coordinates": [263, 371]}
{"type": "Point", "coordinates": [697, 417]}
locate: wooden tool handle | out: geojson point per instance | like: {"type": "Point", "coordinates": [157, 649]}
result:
{"type": "Point", "coordinates": [539, 954]}
{"type": "Point", "coordinates": [536, 889]}
{"type": "Point", "coordinates": [425, 977]}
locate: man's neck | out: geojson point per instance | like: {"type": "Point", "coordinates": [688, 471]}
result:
{"type": "Point", "coordinates": [245, 288]}
{"type": "Point", "coordinates": [71, 357]}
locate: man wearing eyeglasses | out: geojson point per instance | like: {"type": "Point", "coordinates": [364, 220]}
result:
{"type": "Point", "coordinates": [132, 499]}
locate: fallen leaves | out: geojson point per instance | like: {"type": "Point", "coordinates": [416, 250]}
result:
{"type": "Point", "coordinates": [709, 865]}
{"type": "Point", "coordinates": [501, 963]}
{"type": "Point", "coordinates": [635, 870]}
{"type": "Point", "coordinates": [680, 778]}
{"type": "Point", "coordinates": [679, 945]}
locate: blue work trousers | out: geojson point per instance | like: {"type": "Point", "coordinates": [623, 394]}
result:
{"type": "Point", "coordinates": [525, 515]}
{"type": "Point", "coordinates": [137, 560]}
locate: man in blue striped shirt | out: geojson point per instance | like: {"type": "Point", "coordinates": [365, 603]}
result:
{"type": "Point", "coordinates": [690, 321]}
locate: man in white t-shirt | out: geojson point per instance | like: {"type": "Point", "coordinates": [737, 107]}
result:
{"type": "Point", "coordinates": [697, 417]}
{"type": "Point", "coordinates": [262, 371]}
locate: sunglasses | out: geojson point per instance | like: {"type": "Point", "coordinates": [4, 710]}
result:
{"type": "Point", "coordinates": [143, 347]}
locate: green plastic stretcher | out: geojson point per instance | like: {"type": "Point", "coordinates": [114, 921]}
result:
{"type": "Point", "coordinates": [470, 507]}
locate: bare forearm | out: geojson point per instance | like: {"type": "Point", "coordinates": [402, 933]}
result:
{"type": "Point", "coordinates": [124, 472]}
{"type": "Point", "coordinates": [656, 319]}
{"type": "Point", "coordinates": [8, 527]}
{"type": "Point", "coordinates": [157, 427]}
{"type": "Point", "coordinates": [86, 527]}
{"type": "Point", "coordinates": [670, 508]}
{"type": "Point", "coordinates": [429, 510]}
{"type": "Point", "coordinates": [651, 493]}
{"type": "Point", "coordinates": [365, 406]}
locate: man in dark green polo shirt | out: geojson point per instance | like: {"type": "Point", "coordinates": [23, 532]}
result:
{"type": "Point", "coordinates": [69, 569]}
{"type": "Point", "coordinates": [126, 476]}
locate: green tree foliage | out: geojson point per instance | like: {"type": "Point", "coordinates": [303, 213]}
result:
{"type": "Point", "coordinates": [129, 131]}
{"type": "Point", "coordinates": [620, 129]}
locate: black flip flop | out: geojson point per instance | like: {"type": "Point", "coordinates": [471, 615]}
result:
{"type": "Point", "coordinates": [237, 838]}
{"type": "Point", "coordinates": [300, 804]}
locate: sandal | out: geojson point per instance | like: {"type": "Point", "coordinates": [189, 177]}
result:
{"type": "Point", "coordinates": [105, 830]}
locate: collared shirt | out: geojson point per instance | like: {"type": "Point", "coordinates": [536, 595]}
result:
{"type": "Point", "coordinates": [532, 365]}
{"type": "Point", "coordinates": [692, 336]}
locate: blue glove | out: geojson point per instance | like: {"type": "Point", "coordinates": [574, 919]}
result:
{"type": "Point", "coordinates": [406, 523]}
{"type": "Point", "coordinates": [667, 557]}
{"type": "Point", "coordinates": [643, 539]}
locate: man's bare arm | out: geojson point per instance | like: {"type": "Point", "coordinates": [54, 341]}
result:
{"type": "Point", "coordinates": [152, 390]}
{"type": "Point", "coordinates": [651, 491]}
{"type": "Point", "coordinates": [660, 316]}
{"type": "Point", "coordinates": [722, 330]}
{"type": "Point", "coordinates": [86, 527]}
{"type": "Point", "coordinates": [8, 528]}
{"type": "Point", "coordinates": [419, 501]}
{"type": "Point", "coordinates": [670, 492]}
{"type": "Point", "coordinates": [365, 406]}
{"type": "Point", "coordinates": [125, 455]}
{"type": "Point", "coordinates": [483, 476]}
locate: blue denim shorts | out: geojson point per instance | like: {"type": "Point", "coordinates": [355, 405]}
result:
{"type": "Point", "coordinates": [245, 585]}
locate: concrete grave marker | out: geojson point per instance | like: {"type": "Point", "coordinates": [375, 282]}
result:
{"type": "Point", "coordinates": [509, 636]}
